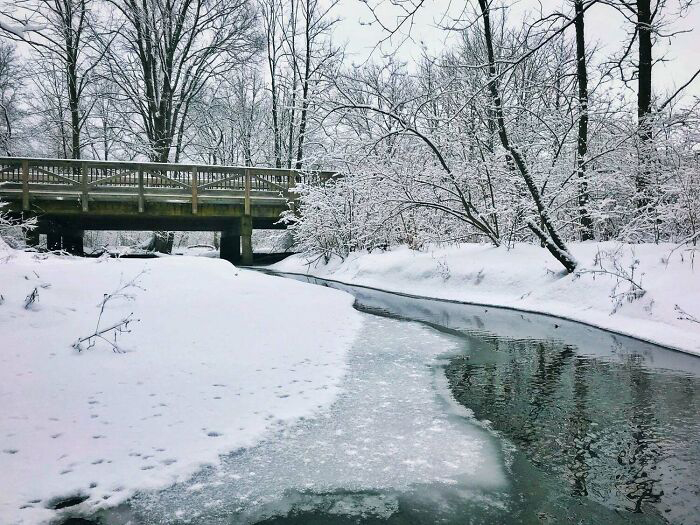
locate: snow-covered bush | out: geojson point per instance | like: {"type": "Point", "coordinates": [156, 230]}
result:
{"type": "Point", "coordinates": [13, 229]}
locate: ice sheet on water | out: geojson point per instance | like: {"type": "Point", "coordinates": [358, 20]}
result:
{"type": "Point", "coordinates": [390, 430]}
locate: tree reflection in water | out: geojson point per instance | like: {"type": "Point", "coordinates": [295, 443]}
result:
{"type": "Point", "coordinates": [613, 430]}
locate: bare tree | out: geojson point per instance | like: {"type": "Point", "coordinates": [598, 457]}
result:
{"type": "Point", "coordinates": [165, 53]}
{"type": "Point", "coordinates": [9, 96]}
{"type": "Point", "coordinates": [57, 31]}
{"type": "Point", "coordinates": [271, 18]}
{"type": "Point", "coordinates": [582, 139]}
{"type": "Point", "coordinates": [311, 56]}
{"type": "Point", "coordinates": [649, 21]}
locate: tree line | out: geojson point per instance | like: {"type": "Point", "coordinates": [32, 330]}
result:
{"type": "Point", "coordinates": [521, 129]}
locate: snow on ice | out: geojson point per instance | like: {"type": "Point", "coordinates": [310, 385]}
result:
{"type": "Point", "coordinates": [394, 430]}
{"type": "Point", "coordinates": [219, 357]}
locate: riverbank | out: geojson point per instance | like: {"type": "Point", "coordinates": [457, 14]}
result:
{"type": "Point", "coordinates": [651, 292]}
{"type": "Point", "coordinates": [213, 359]}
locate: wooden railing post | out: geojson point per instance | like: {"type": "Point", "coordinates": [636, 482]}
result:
{"type": "Point", "coordinates": [25, 185]}
{"type": "Point", "coordinates": [246, 204]}
{"type": "Point", "coordinates": [84, 184]}
{"type": "Point", "coordinates": [194, 190]}
{"type": "Point", "coordinates": [142, 204]}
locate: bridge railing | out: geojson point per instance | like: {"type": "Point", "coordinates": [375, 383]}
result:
{"type": "Point", "coordinates": [90, 180]}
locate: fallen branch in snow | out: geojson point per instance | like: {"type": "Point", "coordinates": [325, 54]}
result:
{"type": "Point", "coordinates": [121, 292]}
{"type": "Point", "coordinates": [685, 316]}
{"type": "Point", "coordinates": [692, 239]}
{"type": "Point", "coordinates": [118, 328]}
{"type": "Point", "coordinates": [621, 274]}
{"type": "Point", "coordinates": [31, 298]}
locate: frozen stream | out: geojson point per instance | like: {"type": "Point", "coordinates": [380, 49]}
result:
{"type": "Point", "coordinates": [452, 413]}
{"type": "Point", "coordinates": [392, 435]}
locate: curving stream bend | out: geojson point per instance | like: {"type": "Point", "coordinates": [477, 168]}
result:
{"type": "Point", "coordinates": [454, 413]}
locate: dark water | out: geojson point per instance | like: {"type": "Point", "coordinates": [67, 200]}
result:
{"type": "Point", "coordinates": [592, 427]}
{"type": "Point", "coordinates": [601, 428]}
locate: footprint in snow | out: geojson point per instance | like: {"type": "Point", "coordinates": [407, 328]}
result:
{"type": "Point", "coordinates": [69, 501]}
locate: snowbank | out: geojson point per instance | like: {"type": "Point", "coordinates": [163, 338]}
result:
{"type": "Point", "coordinates": [219, 357]}
{"type": "Point", "coordinates": [665, 311]}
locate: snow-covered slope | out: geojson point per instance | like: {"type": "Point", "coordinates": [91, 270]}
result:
{"type": "Point", "coordinates": [220, 355]}
{"type": "Point", "coordinates": [526, 277]}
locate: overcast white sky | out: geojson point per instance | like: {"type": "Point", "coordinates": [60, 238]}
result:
{"type": "Point", "coordinates": [603, 26]}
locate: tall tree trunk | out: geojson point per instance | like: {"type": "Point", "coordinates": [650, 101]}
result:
{"type": "Point", "coordinates": [7, 136]}
{"type": "Point", "coordinates": [305, 88]}
{"type": "Point", "coordinates": [275, 120]}
{"type": "Point", "coordinates": [305, 91]}
{"type": "Point", "coordinates": [105, 138]}
{"type": "Point", "coordinates": [290, 146]}
{"type": "Point", "coordinates": [181, 133]}
{"type": "Point", "coordinates": [274, 89]}
{"type": "Point", "coordinates": [582, 143]}
{"type": "Point", "coordinates": [73, 98]}
{"type": "Point", "coordinates": [548, 234]}
{"type": "Point", "coordinates": [644, 91]}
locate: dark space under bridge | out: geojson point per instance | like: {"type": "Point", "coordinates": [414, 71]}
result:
{"type": "Point", "coordinates": [71, 196]}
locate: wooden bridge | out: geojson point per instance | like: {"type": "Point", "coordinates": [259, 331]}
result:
{"type": "Point", "coordinates": [71, 196]}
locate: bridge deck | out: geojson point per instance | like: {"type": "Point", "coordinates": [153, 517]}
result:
{"type": "Point", "coordinates": [80, 186]}
{"type": "Point", "coordinates": [84, 194]}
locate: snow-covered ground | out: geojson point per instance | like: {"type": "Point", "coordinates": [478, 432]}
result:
{"type": "Point", "coordinates": [219, 357]}
{"type": "Point", "coordinates": [665, 309]}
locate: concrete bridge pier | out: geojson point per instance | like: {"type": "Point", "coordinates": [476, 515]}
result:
{"type": "Point", "coordinates": [236, 243]}
{"type": "Point", "coordinates": [247, 239]}
{"type": "Point", "coordinates": [230, 246]}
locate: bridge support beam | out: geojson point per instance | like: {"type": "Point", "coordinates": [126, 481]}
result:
{"type": "Point", "coordinates": [247, 239]}
{"type": "Point", "coordinates": [53, 240]}
{"type": "Point", "coordinates": [73, 241]}
{"type": "Point", "coordinates": [230, 246]}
